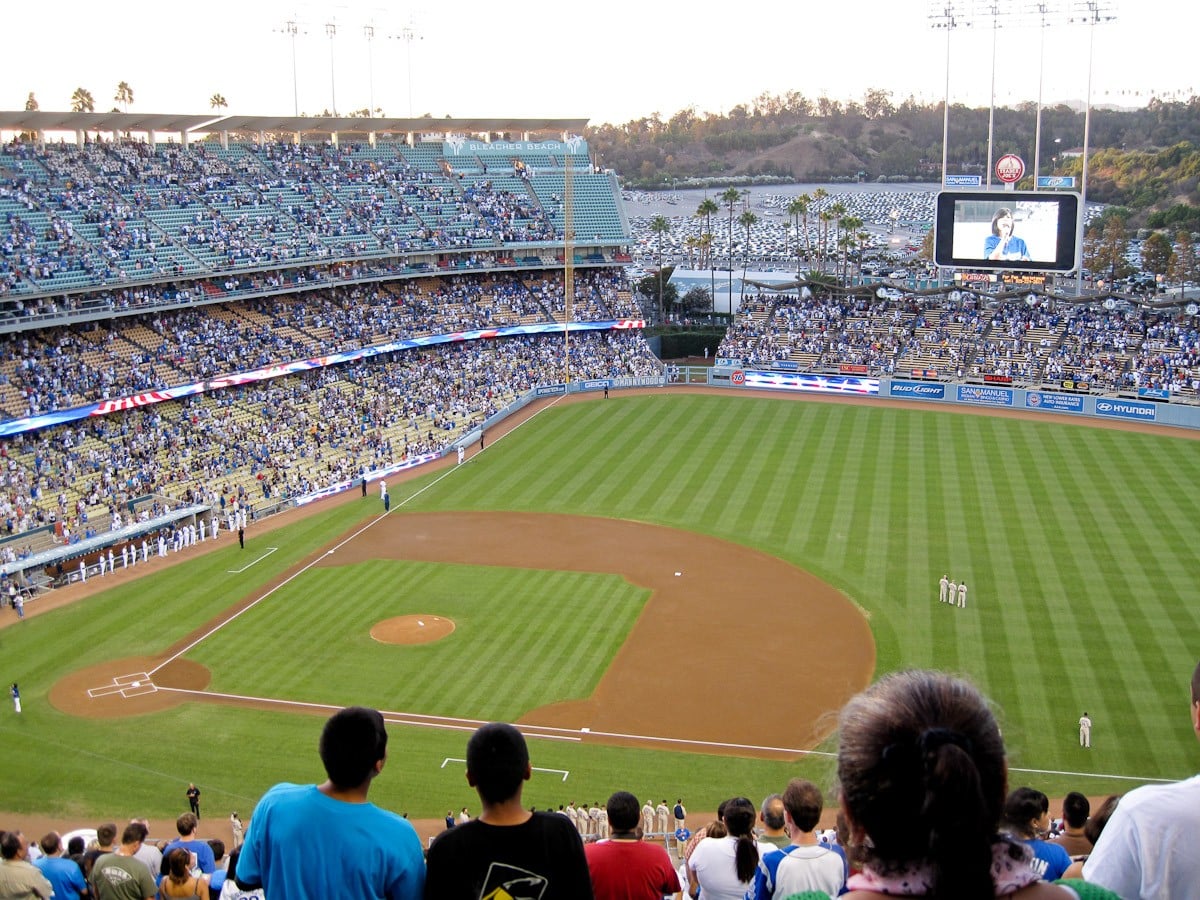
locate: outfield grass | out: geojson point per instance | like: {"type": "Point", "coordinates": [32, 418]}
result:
{"type": "Point", "coordinates": [1078, 544]}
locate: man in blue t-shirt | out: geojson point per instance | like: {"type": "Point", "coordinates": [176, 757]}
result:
{"type": "Point", "coordinates": [313, 842]}
{"type": "Point", "coordinates": [186, 825]}
{"type": "Point", "coordinates": [64, 874]}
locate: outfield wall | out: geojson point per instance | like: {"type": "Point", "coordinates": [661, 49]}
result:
{"type": "Point", "coordinates": [937, 393]}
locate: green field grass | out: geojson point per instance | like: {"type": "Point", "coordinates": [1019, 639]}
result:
{"type": "Point", "coordinates": [1078, 544]}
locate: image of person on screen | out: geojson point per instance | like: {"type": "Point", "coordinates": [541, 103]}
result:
{"type": "Point", "coordinates": [1001, 244]}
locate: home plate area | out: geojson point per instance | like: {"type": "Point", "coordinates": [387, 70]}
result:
{"type": "Point", "coordinates": [133, 685]}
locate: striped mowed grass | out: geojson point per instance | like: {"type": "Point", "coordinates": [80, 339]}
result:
{"type": "Point", "coordinates": [1078, 545]}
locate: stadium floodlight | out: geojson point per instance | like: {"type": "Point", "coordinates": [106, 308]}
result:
{"type": "Point", "coordinates": [331, 31]}
{"type": "Point", "coordinates": [291, 28]}
{"type": "Point", "coordinates": [369, 34]}
{"type": "Point", "coordinates": [408, 34]}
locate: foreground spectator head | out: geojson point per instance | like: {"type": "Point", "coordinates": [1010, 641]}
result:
{"type": "Point", "coordinates": [624, 813]}
{"type": "Point", "coordinates": [106, 834]}
{"type": "Point", "coordinates": [51, 843]}
{"type": "Point", "coordinates": [353, 746]}
{"type": "Point", "coordinates": [1026, 813]}
{"type": "Point", "coordinates": [497, 761]}
{"type": "Point", "coordinates": [1076, 809]}
{"type": "Point", "coordinates": [922, 772]}
{"type": "Point", "coordinates": [771, 814]}
{"type": "Point", "coordinates": [803, 802]}
{"type": "Point", "coordinates": [179, 864]}
{"type": "Point", "coordinates": [185, 824]}
{"type": "Point", "coordinates": [1095, 824]}
{"type": "Point", "coordinates": [12, 845]}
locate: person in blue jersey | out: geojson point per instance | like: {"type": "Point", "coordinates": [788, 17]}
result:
{"type": "Point", "coordinates": [804, 864]}
{"type": "Point", "coordinates": [313, 842]}
{"type": "Point", "coordinates": [1027, 818]}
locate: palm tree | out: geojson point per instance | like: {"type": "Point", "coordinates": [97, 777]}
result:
{"type": "Point", "coordinates": [819, 196]}
{"type": "Point", "coordinates": [730, 197]}
{"type": "Point", "coordinates": [124, 95]}
{"type": "Point", "coordinates": [660, 225]}
{"type": "Point", "coordinates": [707, 208]}
{"type": "Point", "coordinates": [82, 101]}
{"type": "Point", "coordinates": [798, 209]}
{"type": "Point", "coordinates": [218, 101]}
{"type": "Point", "coordinates": [847, 228]}
{"type": "Point", "coordinates": [31, 104]}
{"type": "Point", "coordinates": [747, 220]}
{"type": "Point", "coordinates": [837, 212]}
{"type": "Point", "coordinates": [825, 217]}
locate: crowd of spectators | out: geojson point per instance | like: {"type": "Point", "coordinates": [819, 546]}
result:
{"type": "Point", "coordinates": [924, 810]}
{"type": "Point", "coordinates": [105, 213]}
{"type": "Point", "coordinates": [60, 368]}
{"type": "Point", "coordinates": [291, 436]}
{"type": "Point", "coordinates": [960, 336]}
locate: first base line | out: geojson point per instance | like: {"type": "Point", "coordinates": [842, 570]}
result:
{"type": "Point", "coordinates": [252, 562]}
{"type": "Point", "coordinates": [454, 759]}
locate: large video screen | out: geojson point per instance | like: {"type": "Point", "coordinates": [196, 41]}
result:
{"type": "Point", "coordinates": [1021, 230]}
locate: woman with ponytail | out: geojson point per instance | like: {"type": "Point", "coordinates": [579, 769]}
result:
{"type": "Point", "coordinates": [923, 782]}
{"type": "Point", "coordinates": [722, 868]}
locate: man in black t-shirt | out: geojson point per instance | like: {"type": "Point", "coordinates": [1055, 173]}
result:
{"type": "Point", "coordinates": [527, 854]}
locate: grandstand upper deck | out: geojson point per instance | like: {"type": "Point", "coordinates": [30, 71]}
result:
{"type": "Point", "coordinates": [93, 216]}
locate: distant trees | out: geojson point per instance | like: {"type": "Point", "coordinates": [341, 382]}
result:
{"type": "Point", "coordinates": [82, 101]}
{"type": "Point", "coordinates": [1183, 265]}
{"type": "Point", "coordinates": [1104, 249]}
{"type": "Point", "coordinates": [124, 95]}
{"type": "Point", "coordinates": [1156, 254]}
{"type": "Point", "coordinates": [218, 102]}
{"type": "Point", "coordinates": [31, 104]}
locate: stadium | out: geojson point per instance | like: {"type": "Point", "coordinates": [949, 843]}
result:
{"type": "Point", "coordinates": [273, 330]}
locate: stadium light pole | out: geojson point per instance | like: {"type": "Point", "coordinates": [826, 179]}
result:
{"type": "Point", "coordinates": [1042, 8]}
{"type": "Point", "coordinates": [948, 17]}
{"type": "Point", "coordinates": [292, 28]}
{"type": "Point", "coordinates": [994, 9]}
{"type": "Point", "coordinates": [1093, 12]}
{"type": "Point", "coordinates": [408, 34]}
{"type": "Point", "coordinates": [369, 34]}
{"type": "Point", "coordinates": [331, 30]}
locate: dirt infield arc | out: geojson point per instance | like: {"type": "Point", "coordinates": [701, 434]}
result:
{"type": "Point", "coordinates": [729, 611]}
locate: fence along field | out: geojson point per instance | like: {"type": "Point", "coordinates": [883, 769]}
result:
{"type": "Point", "coordinates": [1076, 543]}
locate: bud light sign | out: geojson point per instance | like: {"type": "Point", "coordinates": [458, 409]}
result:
{"type": "Point", "coordinates": [917, 390]}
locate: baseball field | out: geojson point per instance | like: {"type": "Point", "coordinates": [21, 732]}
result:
{"type": "Point", "coordinates": [672, 592]}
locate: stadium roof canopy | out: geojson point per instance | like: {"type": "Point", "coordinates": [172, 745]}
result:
{"type": "Point", "coordinates": [149, 123]}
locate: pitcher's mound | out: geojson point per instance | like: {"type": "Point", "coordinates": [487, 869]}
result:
{"type": "Point", "coordinates": [417, 629]}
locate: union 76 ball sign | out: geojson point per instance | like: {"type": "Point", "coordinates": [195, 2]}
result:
{"type": "Point", "coordinates": [1010, 168]}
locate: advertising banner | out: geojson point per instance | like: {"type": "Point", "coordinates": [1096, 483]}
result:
{"type": "Point", "coordinates": [990, 396]}
{"type": "Point", "coordinates": [1053, 402]}
{"type": "Point", "coordinates": [917, 390]}
{"type": "Point", "coordinates": [1126, 409]}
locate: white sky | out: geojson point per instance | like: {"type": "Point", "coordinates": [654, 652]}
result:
{"type": "Point", "coordinates": [608, 62]}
